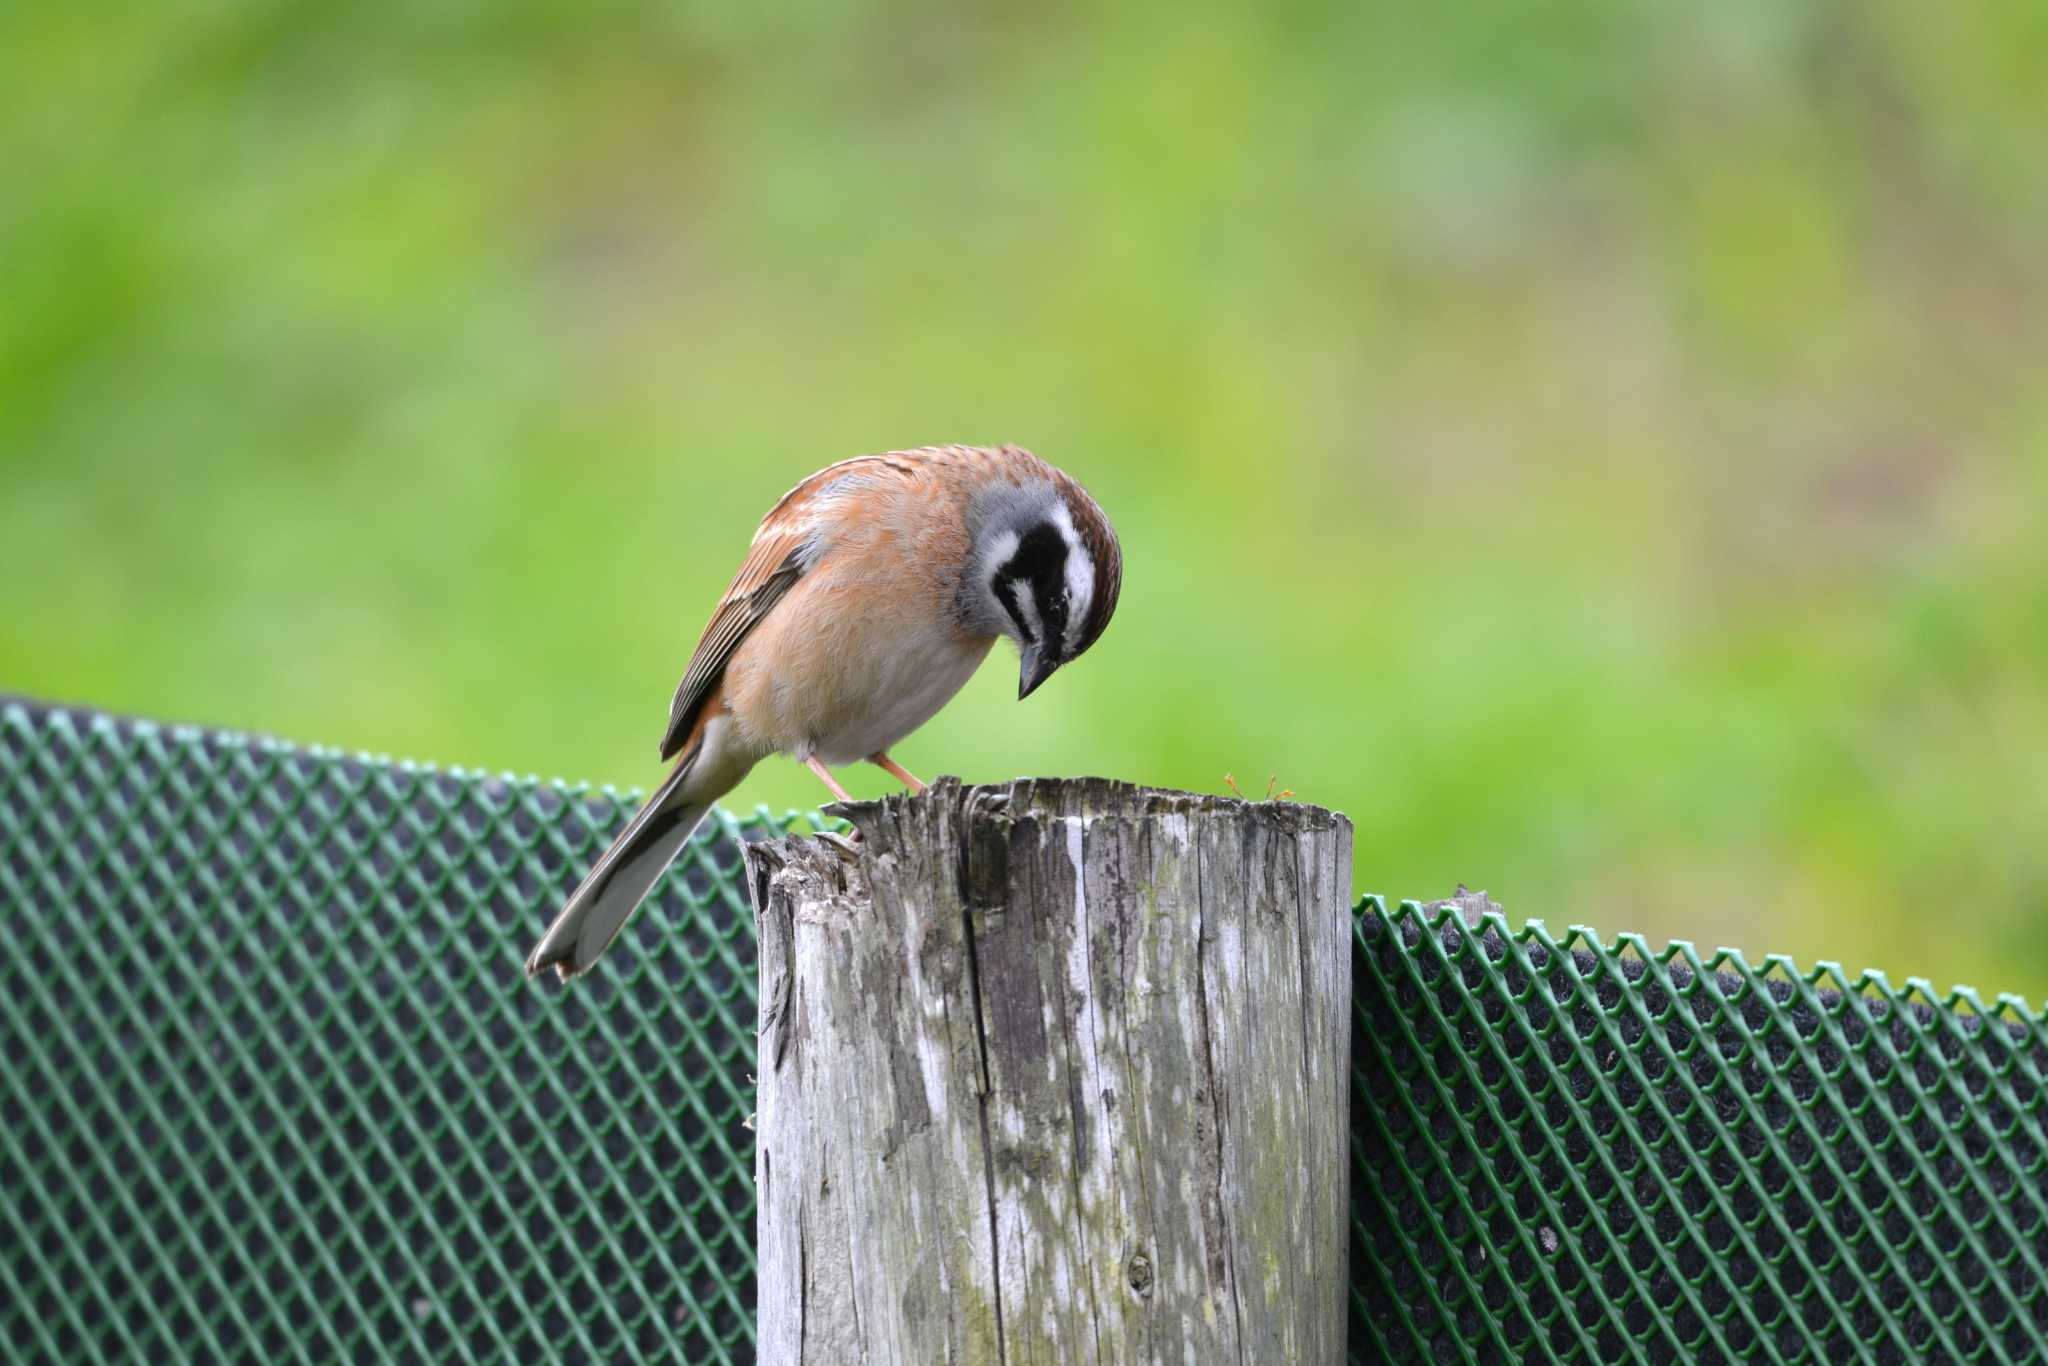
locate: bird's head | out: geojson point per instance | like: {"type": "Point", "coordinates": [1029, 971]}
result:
{"type": "Point", "coordinates": [1044, 571]}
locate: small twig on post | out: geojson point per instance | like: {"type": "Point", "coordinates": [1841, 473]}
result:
{"type": "Point", "coordinates": [1055, 1070]}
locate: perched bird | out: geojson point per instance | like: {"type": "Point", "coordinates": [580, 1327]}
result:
{"type": "Point", "coordinates": [873, 591]}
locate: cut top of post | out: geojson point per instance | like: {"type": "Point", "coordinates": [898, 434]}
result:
{"type": "Point", "coordinates": [1086, 798]}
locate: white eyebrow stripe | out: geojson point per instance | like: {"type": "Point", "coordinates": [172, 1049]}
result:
{"type": "Point", "coordinates": [1080, 575]}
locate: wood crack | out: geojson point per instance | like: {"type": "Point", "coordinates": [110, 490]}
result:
{"type": "Point", "coordinates": [1077, 1110]}
{"type": "Point", "coordinates": [803, 1278]}
{"type": "Point", "coordinates": [1222, 1229]}
{"type": "Point", "coordinates": [1306, 979]}
{"type": "Point", "coordinates": [988, 1155]}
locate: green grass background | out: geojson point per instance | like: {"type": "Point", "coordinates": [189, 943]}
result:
{"type": "Point", "coordinates": [1602, 447]}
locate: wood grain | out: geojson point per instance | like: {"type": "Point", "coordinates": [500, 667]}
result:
{"type": "Point", "coordinates": [1055, 1071]}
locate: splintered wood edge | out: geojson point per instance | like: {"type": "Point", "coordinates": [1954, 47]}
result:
{"type": "Point", "coordinates": [1088, 798]}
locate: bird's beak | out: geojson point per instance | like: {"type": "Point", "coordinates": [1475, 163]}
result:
{"type": "Point", "coordinates": [1038, 665]}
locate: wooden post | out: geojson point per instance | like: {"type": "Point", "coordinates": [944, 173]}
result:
{"type": "Point", "coordinates": [1055, 1071]}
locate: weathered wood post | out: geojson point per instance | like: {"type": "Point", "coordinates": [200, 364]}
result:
{"type": "Point", "coordinates": [1055, 1071]}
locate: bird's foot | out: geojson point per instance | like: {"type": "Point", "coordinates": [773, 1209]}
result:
{"type": "Point", "coordinates": [848, 844]}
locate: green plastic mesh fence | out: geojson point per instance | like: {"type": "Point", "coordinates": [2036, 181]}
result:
{"type": "Point", "coordinates": [1580, 1151]}
{"type": "Point", "coordinates": [275, 1089]}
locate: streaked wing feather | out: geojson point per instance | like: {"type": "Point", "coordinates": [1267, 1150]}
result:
{"type": "Point", "coordinates": [769, 571]}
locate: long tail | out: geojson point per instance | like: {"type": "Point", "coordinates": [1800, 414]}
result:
{"type": "Point", "coordinates": [619, 880]}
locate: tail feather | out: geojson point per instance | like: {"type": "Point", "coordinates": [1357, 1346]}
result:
{"type": "Point", "coordinates": [619, 881]}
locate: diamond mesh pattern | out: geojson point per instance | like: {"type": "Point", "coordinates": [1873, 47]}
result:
{"type": "Point", "coordinates": [1585, 1152]}
{"type": "Point", "coordinates": [275, 1089]}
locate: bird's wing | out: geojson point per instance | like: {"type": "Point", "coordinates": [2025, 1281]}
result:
{"type": "Point", "coordinates": [792, 537]}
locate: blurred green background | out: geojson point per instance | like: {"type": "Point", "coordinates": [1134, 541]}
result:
{"type": "Point", "coordinates": [1602, 447]}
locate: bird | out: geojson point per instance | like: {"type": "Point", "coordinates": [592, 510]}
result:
{"type": "Point", "coordinates": [870, 595]}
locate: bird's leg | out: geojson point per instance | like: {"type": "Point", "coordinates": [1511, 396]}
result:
{"type": "Point", "coordinates": [817, 766]}
{"type": "Point", "coordinates": [880, 759]}
{"type": "Point", "coordinates": [846, 842]}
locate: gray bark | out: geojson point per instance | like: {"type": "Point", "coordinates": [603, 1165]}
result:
{"type": "Point", "coordinates": [1055, 1071]}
